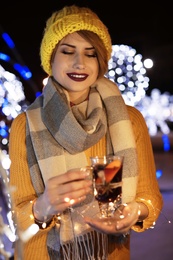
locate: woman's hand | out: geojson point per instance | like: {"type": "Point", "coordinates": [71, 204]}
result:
{"type": "Point", "coordinates": [125, 217]}
{"type": "Point", "coordinates": [61, 192]}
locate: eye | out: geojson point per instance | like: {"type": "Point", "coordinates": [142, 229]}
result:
{"type": "Point", "coordinates": [67, 52]}
{"type": "Point", "coordinates": [91, 55]}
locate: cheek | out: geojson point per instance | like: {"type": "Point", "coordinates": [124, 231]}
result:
{"type": "Point", "coordinates": [55, 64]}
{"type": "Point", "coordinates": [57, 67]}
{"type": "Point", "coordinates": [96, 67]}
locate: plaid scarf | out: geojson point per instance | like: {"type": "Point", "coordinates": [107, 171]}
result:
{"type": "Point", "coordinates": [57, 136]}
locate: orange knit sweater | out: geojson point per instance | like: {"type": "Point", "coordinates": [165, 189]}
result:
{"type": "Point", "coordinates": [147, 190]}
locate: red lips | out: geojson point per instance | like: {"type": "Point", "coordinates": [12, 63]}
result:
{"type": "Point", "coordinates": [77, 77]}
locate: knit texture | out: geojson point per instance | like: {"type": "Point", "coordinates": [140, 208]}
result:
{"type": "Point", "coordinates": [67, 133]}
{"type": "Point", "coordinates": [68, 20]}
{"type": "Point", "coordinates": [36, 248]}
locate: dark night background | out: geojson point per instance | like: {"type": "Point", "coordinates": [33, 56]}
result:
{"type": "Point", "coordinates": [145, 26]}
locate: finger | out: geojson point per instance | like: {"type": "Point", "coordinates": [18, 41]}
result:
{"type": "Point", "coordinates": [72, 190]}
{"type": "Point", "coordinates": [76, 188]}
{"type": "Point", "coordinates": [71, 175]}
{"type": "Point", "coordinates": [130, 215]}
{"type": "Point", "coordinates": [66, 203]}
{"type": "Point", "coordinates": [105, 226]}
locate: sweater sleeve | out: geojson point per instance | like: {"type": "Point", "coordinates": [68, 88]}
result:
{"type": "Point", "coordinates": [148, 191]}
{"type": "Point", "coordinates": [23, 193]}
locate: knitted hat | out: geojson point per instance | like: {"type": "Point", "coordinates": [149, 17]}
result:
{"type": "Point", "coordinates": [68, 20]}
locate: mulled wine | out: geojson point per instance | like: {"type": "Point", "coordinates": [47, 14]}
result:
{"type": "Point", "coordinates": [108, 179]}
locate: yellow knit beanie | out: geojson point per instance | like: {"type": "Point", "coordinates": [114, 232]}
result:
{"type": "Point", "coordinates": [68, 20]}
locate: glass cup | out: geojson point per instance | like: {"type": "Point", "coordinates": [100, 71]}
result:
{"type": "Point", "coordinates": [107, 177]}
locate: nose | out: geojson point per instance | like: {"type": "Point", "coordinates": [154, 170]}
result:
{"type": "Point", "coordinates": [79, 62]}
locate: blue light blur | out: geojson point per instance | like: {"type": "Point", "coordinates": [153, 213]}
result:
{"type": "Point", "coordinates": [166, 143]}
{"type": "Point", "coordinates": [23, 70]}
{"type": "Point", "coordinates": [4, 57]}
{"type": "Point", "coordinates": [4, 132]}
{"type": "Point", "coordinates": [159, 173]}
{"type": "Point", "coordinates": [38, 94]}
{"type": "Point", "coordinates": [8, 40]}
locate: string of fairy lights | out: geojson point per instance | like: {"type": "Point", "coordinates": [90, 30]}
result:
{"type": "Point", "coordinates": [126, 67]}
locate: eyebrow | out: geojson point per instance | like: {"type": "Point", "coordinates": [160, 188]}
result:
{"type": "Point", "coordinates": [72, 46]}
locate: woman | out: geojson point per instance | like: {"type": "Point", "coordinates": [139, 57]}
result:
{"type": "Point", "coordinates": [79, 114]}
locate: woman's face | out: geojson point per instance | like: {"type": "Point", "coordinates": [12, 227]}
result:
{"type": "Point", "coordinates": [75, 66]}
